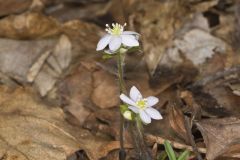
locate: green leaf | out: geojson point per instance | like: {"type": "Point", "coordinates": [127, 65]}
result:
{"type": "Point", "coordinates": [184, 155]}
{"type": "Point", "coordinates": [169, 150]}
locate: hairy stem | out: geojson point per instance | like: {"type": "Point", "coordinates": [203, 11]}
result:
{"type": "Point", "coordinates": [120, 60]}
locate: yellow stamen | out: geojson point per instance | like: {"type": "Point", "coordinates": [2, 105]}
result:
{"type": "Point", "coordinates": [116, 29]}
{"type": "Point", "coordinates": [141, 103]}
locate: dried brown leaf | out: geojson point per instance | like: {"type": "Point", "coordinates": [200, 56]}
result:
{"type": "Point", "coordinates": [177, 122]}
{"type": "Point", "coordinates": [31, 130]}
{"type": "Point", "coordinates": [105, 93]}
{"type": "Point", "coordinates": [17, 57]}
{"type": "Point", "coordinates": [29, 25]}
{"type": "Point", "coordinates": [13, 6]}
{"type": "Point", "coordinates": [76, 91]}
{"type": "Point", "coordinates": [221, 136]}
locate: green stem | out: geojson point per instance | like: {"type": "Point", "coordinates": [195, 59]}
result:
{"type": "Point", "coordinates": [120, 60]}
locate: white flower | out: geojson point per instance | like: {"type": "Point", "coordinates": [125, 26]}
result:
{"type": "Point", "coordinates": [142, 106]}
{"type": "Point", "coordinates": [116, 37]}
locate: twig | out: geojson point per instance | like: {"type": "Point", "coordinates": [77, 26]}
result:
{"type": "Point", "coordinates": [191, 139]}
{"type": "Point", "coordinates": [177, 145]}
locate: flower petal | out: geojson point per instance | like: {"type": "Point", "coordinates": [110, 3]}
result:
{"type": "Point", "coordinates": [134, 109]}
{"type": "Point", "coordinates": [129, 33]}
{"type": "Point", "coordinates": [127, 100]}
{"type": "Point", "coordinates": [145, 117]}
{"type": "Point", "coordinates": [104, 41]}
{"type": "Point", "coordinates": [135, 94]}
{"type": "Point", "coordinates": [115, 43]}
{"type": "Point", "coordinates": [129, 40]}
{"type": "Point", "coordinates": [153, 113]}
{"type": "Point", "coordinates": [151, 101]}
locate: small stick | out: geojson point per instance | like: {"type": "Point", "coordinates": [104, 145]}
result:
{"type": "Point", "coordinates": [177, 145]}
{"type": "Point", "coordinates": [191, 139]}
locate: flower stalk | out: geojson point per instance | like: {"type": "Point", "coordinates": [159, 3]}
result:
{"type": "Point", "coordinates": [120, 62]}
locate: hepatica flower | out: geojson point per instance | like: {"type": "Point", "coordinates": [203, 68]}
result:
{"type": "Point", "coordinates": [142, 106]}
{"type": "Point", "coordinates": [117, 37]}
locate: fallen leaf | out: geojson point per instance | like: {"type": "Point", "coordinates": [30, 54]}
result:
{"type": "Point", "coordinates": [17, 57]}
{"type": "Point", "coordinates": [31, 130]}
{"type": "Point", "coordinates": [197, 46]}
{"type": "Point", "coordinates": [61, 57]}
{"type": "Point", "coordinates": [105, 92]}
{"type": "Point", "coordinates": [177, 122]}
{"type": "Point", "coordinates": [220, 136]}
{"type": "Point", "coordinates": [70, 10]}
{"type": "Point", "coordinates": [75, 91]}
{"type": "Point", "coordinates": [13, 6]}
{"type": "Point", "coordinates": [29, 25]}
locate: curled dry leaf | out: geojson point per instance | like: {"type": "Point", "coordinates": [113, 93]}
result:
{"type": "Point", "coordinates": [192, 105]}
{"type": "Point", "coordinates": [221, 136]}
{"type": "Point", "coordinates": [177, 122]}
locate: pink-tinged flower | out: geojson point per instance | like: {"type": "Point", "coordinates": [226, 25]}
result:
{"type": "Point", "coordinates": [116, 37]}
{"type": "Point", "coordinates": [142, 106]}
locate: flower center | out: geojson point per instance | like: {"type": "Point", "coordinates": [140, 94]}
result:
{"type": "Point", "coordinates": [141, 103]}
{"type": "Point", "coordinates": [116, 29]}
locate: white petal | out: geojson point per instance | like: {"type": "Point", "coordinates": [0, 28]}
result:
{"type": "Point", "coordinates": [135, 94]}
{"type": "Point", "coordinates": [115, 43]}
{"type": "Point", "coordinates": [129, 33]}
{"type": "Point", "coordinates": [104, 41]}
{"type": "Point", "coordinates": [129, 40]}
{"type": "Point", "coordinates": [153, 113]}
{"type": "Point", "coordinates": [151, 101]}
{"type": "Point", "coordinates": [127, 100]}
{"type": "Point", "coordinates": [145, 117]}
{"type": "Point", "coordinates": [134, 109]}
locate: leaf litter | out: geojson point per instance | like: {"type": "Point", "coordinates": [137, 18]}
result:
{"type": "Point", "coordinates": [59, 100]}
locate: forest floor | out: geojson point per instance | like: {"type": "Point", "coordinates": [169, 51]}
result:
{"type": "Point", "coordinates": [60, 100]}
